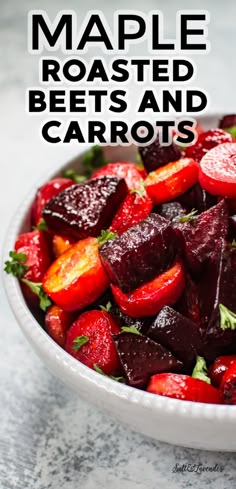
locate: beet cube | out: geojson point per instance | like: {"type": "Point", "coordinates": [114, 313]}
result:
{"type": "Point", "coordinates": [156, 155]}
{"type": "Point", "coordinates": [141, 324]}
{"type": "Point", "coordinates": [84, 210]}
{"type": "Point", "coordinates": [172, 211]}
{"type": "Point", "coordinates": [199, 237]}
{"type": "Point", "coordinates": [227, 121]}
{"type": "Point", "coordinates": [178, 334]}
{"type": "Point", "coordinates": [140, 253]}
{"type": "Point", "coordinates": [197, 198]}
{"type": "Point", "coordinates": [218, 286]}
{"type": "Point", "coordinates": [188, 304]}
{"type": "Point", "coordinates": [140, 358]}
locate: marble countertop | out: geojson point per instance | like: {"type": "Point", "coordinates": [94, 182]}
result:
{"type": "Point", "coordinates": [49, 438]}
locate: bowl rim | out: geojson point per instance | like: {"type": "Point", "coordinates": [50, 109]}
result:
{"type": "Point", "coordinates": [34, 332]}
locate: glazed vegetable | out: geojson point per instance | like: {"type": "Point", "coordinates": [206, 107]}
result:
{"type": "Point", "coordinates": [171, 180]}
{"type": "Point", "coordinates": [140, 253]}
{"type": "Point", "coordinates": [89, 339]}
{"type": "Point", "coordinates": [184, 387]}
{"type": "Point", "coordinates": [84, 210]}
{"type": "Point", "coordinates": [77, 278]}
{"type": "Point", "coordinates": [126, 170]}
{"type": "Point", "coordinates": [217, 171]}
{"type": "Point", "coordinates": [178, 334]}
{"type": "Point", "coordinates": [206, 141]}
{"type": "Point", "coordinates": [155, 155]}
{"type": "Point", "coordinates": [135, 208]}
{"type": "Point", "coordinates": [46, 193]}
{"type": "Point", "coordinates": [198, 244]}
{"type": "Point", "coordinates": [140, 357]}
{"type": "Point", "coordinates": [228, 384]}
{"type": "Point", "coordinates": [148, 299]}
{"type": "Point", "coordinates": [57, 322]}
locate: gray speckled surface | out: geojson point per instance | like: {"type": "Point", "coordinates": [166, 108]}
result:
{"type": "Point", "coordinates": [48, 437]}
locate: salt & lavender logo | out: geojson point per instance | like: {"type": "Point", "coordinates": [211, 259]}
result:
{"type": "Point", "coordinates": [197, 468]}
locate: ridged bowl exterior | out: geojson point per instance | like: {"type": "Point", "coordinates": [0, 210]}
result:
{"type": "Point", "coordinates": [196, 425]}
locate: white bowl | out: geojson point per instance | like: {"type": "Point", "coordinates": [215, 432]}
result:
{"type": "Point", "coordinates": [197, 425]}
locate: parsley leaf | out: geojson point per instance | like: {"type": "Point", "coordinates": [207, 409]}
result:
{"type": "Point", "coordinates": [93, 160]}
{"type": "Point", "coordinates": [36, 287]}
{"type": "Point", "coordinates": [106, 308]}
{"type": "Point", "coordinates": [131, 329]}
{"type": "Point", "coordinates": [73, 175]}
{"type": "Point", "coordinates": [99, 371]}
{"type": "Point", "coordinates": [189, 217]}
{"type": "Point", "coordinates": [200, 370]}
{"type": "Point", "coordinates": [105, 236]}
{"type": "Point", "coordinates": [231, 130]}
{"type": "Point", "coordinates": [16, 266]}
{"type": "Point", "coordinates": [79, 341]}
{"type": "Point", "coordinates": [227, 318]}
{"type": "Point", "coordinates": [41, 226]}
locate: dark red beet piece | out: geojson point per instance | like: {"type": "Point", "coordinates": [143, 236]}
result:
{"type": "Point", "coordinates": [189, 305]}
{"type": "Point", "coordinates": [232, 229]}
{"type": "Point", "coordinates": [141, 324]}
{"type": "Point", "coordinates": [156, 155]}
{"type": "Point", "coordinates": [140, 253]}
{"type": "Point", "coordinates": [227, 121]}
{"type": "Point", "coordinates": [218, 286]}
{"type": "Point", "coordinates": [172, 211]}
{"type": "Point", "coordinates": [178, 334]}
{"type": "Point", "coordinates": [197, 198]}
{"type": "Point", "coordinates": [84, 210]}
{"type": "Point", "coordinates": [199, 237]}
{"type": "Point", "coordinates": [140, 358]}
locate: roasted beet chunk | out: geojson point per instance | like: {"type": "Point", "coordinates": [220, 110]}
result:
{"type": "Point", "coordinates": [189, 305]}
{"type": "Point", "coordinates": [156, 155]}
{"type": "Point", "coordinates": [172, 211]}
{"type": "Point", "coordinates": [140, 253]}
{"type": "Point", "coordinates": [227, 121]}
{"type": "Point", "coordinates": [141, 324]}
{"type": "Point", "coordinates": [218, 286]}
{"type": "Point", "coordinates": [197, 198]}
{"type": "Point", "coordinates": [84, 210]}
{"type": "Point", "coordinates": [199, 236]}
{"type": "Point", "coordinates": [140, 358]}
{"type": "Point", "coordinates": [178, 334]}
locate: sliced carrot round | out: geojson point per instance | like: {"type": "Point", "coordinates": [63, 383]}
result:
{"type": "Point", "coordinates": [77, 278]}
{"type": "Point", "coordinates": [172, 180]}
{"type": "Point", "coordinates": [217, 172]}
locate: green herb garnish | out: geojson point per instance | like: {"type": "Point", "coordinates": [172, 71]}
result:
{"type": "Point", "coordinates": [200, 370]}
{"type": "Point", "coordinates": [93, 159]}
{"type": "Point", "coordinates": [105, 236]}
{"type": "Point", "coordinates": [41, 226]}
{"type": "Point", "coordinates": [189, 217]}
{"type": "Point", "coordinates": [130, 329]}
{"type": "Point", "coordinates": [79, 341]}
{"type": "Point", "coordinates": [16, 266]}
{"type": "Point", "coordinates": [73, 175]}
{"type": "Point", "coordinates": [99, 371]}
{"type": "Point", "coordinates": [36, 287]}
{"type": "Point", "coordinates": [140, 191]}
{"type": "Point", "coordinates": [106, 308]}
{"type": "Point", "coordinates": [231, 130]}
{"type": "Point", "coordinates": [227, 318]}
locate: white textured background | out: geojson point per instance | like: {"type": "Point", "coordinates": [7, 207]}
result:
{"type": "Point", "coordinates": [48, 437]}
